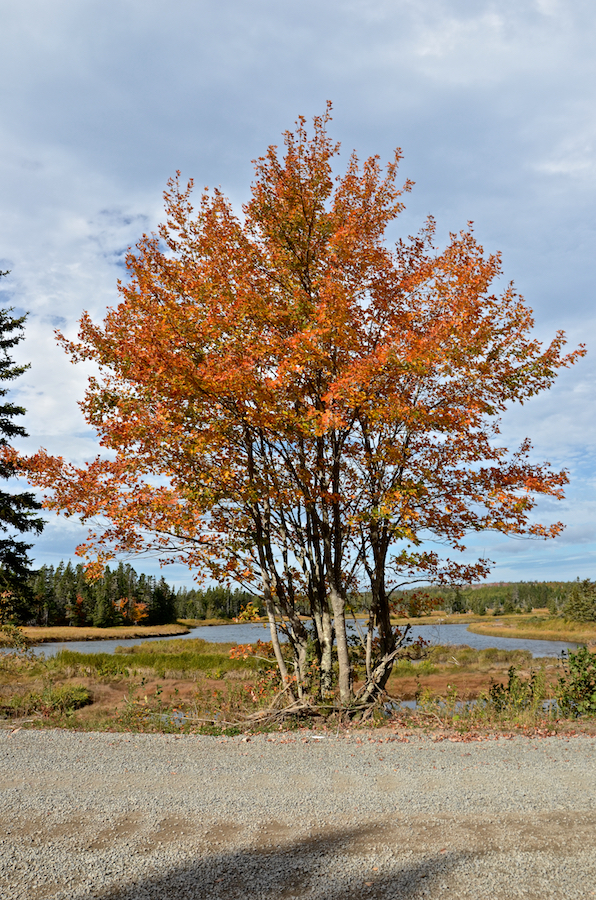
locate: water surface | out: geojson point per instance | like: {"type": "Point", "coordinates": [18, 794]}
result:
{"type": "Point", "coordinates": [251, 633]}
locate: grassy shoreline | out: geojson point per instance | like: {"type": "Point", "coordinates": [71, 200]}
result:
{"type": "Point", "coordinates": [55, 633]}
{"type": "Point", "coordinates": [537, 629]}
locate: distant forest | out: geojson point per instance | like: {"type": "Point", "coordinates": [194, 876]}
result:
{"type": "Point", "coordinates": [66, 596]}
{"type": "Point", "coordinates": [497, 599]}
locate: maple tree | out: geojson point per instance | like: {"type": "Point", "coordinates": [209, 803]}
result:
{"type": "Point", "coordinates": [294, 405]}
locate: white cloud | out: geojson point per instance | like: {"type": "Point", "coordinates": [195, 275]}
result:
{"type": "Point", "coordinates": [491, 102]}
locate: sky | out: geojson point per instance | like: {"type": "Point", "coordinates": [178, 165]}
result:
{"type": "Point", "coordinates": [492, 103]}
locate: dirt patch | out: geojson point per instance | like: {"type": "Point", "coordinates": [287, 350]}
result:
{"type": "Point", "coordinates": [122, 828]}
{"type": "Point", "coordinates": [468, 684]}
{"type": "Point", "coordinates": [42, 830]}
{"type": "Point", "coordinates": [553, 833]}
{"type": "Point", "coordinates": [560, 832]}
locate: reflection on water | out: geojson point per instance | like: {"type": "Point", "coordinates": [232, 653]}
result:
{"type": "Point", "coordinates": [250, 633]}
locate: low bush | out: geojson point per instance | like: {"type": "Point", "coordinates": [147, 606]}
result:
{"type": "Point", "coordinates": [51, 700]}
{"type": "Point", "coordinates": [405, 667]}
{"type": "Point", "coordinates": [518, 695]}
{"type": "Point", "coordinates": [12, 636]}
{"type": "Point", "coordinates": [576, 692]}
{"type": "Point", "coordinates": [518, 702]}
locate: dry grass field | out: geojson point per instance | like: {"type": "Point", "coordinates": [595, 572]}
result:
{"type": "Point", "coordinates": [537, 627]}
{"type": "Point", "coordinates": [45, 635]}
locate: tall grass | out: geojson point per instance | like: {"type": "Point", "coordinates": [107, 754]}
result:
{"type": "Point", "coordinates": [164, 658]}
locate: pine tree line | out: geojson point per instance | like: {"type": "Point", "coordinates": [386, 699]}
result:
{"type": "Point", "coordinates": [66, 596]}
{"type": "Point", "coordinates": [213, 602]}
{"type": "Point", "coordinates": [498, 599]}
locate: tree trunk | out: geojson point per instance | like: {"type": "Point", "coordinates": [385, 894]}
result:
{"type": "Point", "coordinates": [283, 671]}
{"type": "Point", "coordinates": [299, 640]}
{"type": "Point", "coordinates": [343, 654]}
{"type": "Point", "coordinates": [324, 626]}
{"type": "Point", "coordinates": [378, 678]}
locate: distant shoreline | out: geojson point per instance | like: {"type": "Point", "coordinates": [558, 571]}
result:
{"type": "Point", "coordinates": [545, 630]}
{"type": "Point", "coordinates": [39, 634]}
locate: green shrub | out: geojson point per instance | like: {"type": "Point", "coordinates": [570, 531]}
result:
{"type": "Point", "coordinates": [13, 636]}
{"type": "Point", "coordinates": [576, 692]}
{"type": "Point", "coordinates": [518, 695]}
{"type": "Point", "coordinates": [50, 701]}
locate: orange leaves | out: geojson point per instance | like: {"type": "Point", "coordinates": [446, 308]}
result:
{"type": "Point", "coordinates": [261, 649]}
{"type": "Point", "coordinates": [291, 403]}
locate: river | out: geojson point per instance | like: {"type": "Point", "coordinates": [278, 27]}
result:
{"type": "Point", "coordinates": [249, 633]}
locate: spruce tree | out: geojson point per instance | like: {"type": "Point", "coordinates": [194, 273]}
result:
{"type": "Point", "coordinates": [581, 602]}
{"type": "Point", "coordinates": [17, 510]}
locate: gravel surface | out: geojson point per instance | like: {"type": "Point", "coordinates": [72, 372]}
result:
{"type": "Point", "coordinates": [289, 816]}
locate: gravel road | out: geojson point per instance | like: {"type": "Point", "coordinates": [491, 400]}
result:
{"type": "Point", "coordinates": [289, 816]}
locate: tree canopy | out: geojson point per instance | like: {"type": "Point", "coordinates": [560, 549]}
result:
{"type": "Point", "coordinates": [292, 404]}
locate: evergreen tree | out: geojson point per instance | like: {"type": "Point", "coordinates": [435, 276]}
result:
{"type": "Point", "coordinates": [105, 614]}
{"type": "Point", "coordinates": [162, 609]}
{"type": "Point", "coordinates": [581, 602]}
{"type": "Point", "coordinates": [44, 605]}
{"type": "Point", "coordinates": [17, 511]}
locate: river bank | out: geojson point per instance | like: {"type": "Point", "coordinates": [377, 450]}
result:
{"type": "Point", "coordinates": [186, 684]}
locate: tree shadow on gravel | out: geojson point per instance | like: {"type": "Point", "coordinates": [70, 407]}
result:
{"type": "Point", "coordinates": [326, 867]}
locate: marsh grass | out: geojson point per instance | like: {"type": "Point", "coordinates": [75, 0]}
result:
{"type": "Point", "coordinates": [59, 633]}
{"type": "Point", "coordinates": [539, 628]}
{"type": "Point", "coordinates": [196, 645]}
{"type": "Point", "coordinates": [453, 659]}
{"type": "Point", "coordinates": [100, 665]}
{"type": "Point", "coordinates": [193, 656]}
{"type": "Point", "coordinates": [483, 660]}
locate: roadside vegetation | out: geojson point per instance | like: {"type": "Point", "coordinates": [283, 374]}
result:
{"type": "Point", "coordinates": [184, 686]}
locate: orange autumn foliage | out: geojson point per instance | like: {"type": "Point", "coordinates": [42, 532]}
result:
{"type": "Point", "coordinates": [293, 404]}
